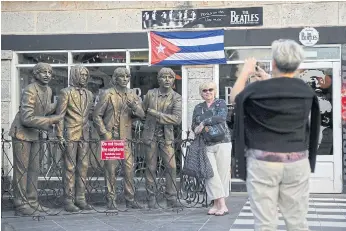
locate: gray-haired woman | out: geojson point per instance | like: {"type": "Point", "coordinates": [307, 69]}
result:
{"type": "Point", "coordinates": [272, 123]}
{"type": "Point", "coordinates": [211, 112]}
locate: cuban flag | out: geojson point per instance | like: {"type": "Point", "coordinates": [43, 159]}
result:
{"type": "Point", "coordinates": [186, 47]}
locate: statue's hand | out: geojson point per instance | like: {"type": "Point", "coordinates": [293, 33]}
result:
{"type": "Point", "coordinates": [54, 119]}
{"type": "Point", "coordinates": [62, 143]}
{"type": "Point", "coordinates": [131, 104]}
{"type": "Point", "coordinates": [109, 136]}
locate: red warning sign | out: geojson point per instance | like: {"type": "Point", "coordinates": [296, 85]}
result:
{"type": "Point", "coordinates": [112, 149]}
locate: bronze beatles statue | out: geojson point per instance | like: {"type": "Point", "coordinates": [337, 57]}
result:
{"type": "Point", "coordinates": [26, 132]}
{"type": "Point", "coordinates": [74, 104]}
{"type": "Point", "coordinates": [163, 107]}
{"type": "Point", "coordinates": [113, 120]}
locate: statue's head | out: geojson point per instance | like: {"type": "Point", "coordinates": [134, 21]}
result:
{"type": "Point", "coordinates": [121, 77]}
{"type": "Point", "coordinates": [79, 76]}
{"type": "Point", "coordinates": [42, 73]}
{"type": "Point", "coordinates": [166, 77]}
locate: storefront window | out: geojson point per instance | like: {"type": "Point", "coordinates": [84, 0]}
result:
{"type": "Point", "coordinates": [144, 78]}
{"type": "Point", "coordinates": [99, 57]}
{"type": "Point", "coordinates": [320, 81]}
{"type": "Point", "coordinates": [242, 54]}
{"type": "Point", "coordinates": [229, 74]}
{"type": "Point", "coordinates": [51, 58]}
{"type": "Point", "coordinates": [100, 79]}
{"type": "Point", "coordinates": [139, 56]}
{"type": "Point", "coordinates": [312, 53]}
{"type": "Point", "coordinates": [58, 82]}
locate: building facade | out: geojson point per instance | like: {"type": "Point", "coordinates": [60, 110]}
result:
{"type": "Point", "coordinates": [106, 35]}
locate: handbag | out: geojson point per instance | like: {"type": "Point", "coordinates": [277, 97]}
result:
{"type": "Point", "coordinates": [196, 162]}
{"type": "Point", "coordinates": [214, 133]}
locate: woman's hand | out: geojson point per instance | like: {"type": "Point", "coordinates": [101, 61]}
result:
{"type": "Point", "coordinates": [261, 74]}
{"type": "Point", "coordinates": [199, 128]}
{"type": "Point", "coordinates": [249, 68]}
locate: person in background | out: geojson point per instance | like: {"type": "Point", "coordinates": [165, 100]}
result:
{"type": "Point", "coordinates": [275, 136]}
{"type": "Point", "coordinates": [210, 112]}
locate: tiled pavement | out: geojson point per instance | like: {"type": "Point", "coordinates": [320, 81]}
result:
{"type": "Point", "coordinates": [327, 212]}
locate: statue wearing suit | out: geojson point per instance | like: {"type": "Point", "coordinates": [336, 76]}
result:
{"type": "Point", "coordinates": [31, 120]}
{"type": "Point", "coordinates": [163, 108]}
{"type": "Point", "coordinates": [113, 120]}
{"type": "Point", "coordinates": [74, 104]}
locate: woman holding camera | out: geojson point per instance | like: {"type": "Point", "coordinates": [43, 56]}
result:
{"type": "Point", "coordinates": [275, 139]}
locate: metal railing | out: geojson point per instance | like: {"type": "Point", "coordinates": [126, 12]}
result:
{"type": "Point", "coordinates": [190, 192]}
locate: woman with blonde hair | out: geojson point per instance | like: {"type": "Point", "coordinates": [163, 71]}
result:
{"type": "Point", "coordinates": [210, 115]}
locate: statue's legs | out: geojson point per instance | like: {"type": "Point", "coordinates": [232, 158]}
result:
{"type": "Point", "coordinates": [129, 179]}
{"type": "Point", "coordinates": [110, 179]}
{"type": "Point", "coordinates": [81, 174]}
{"type": "Point", "coordinates": [150, 172]}
{"type": "Point", "coordinates": [167, 154]}
{"type": "Point", "coordinates": [168, 157]}
{"type": "Point", "coordinates": [21, 154]}
{"type": "Point", "coordinates": [25, 176]}
{"type": "Point", "coordinates": [70, 157]}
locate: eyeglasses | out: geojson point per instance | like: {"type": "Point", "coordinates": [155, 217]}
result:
{"type": "Point", "coordinates": [206, 90]}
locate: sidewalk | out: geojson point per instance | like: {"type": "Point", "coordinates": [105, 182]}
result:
{"type": "Point", "coordinates": [326, 213]}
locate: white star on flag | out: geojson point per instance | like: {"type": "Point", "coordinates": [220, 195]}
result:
{"type": "Point", "coordinates": [160, 49]}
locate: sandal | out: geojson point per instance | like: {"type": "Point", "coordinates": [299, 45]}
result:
{"type": "Point", "coordinates": [222, 214]}
{"type": "Point", "coordinates": [213, 212]}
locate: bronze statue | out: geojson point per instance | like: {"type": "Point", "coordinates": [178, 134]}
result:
{"type": "Point", "coordinates": [113, 120]}
{"type": "Point", "coordinates": [163, 108]}
{"type": "Point", "coordinates": [26, 131]}
{"type": "Point", "coordinates": [74, 104]}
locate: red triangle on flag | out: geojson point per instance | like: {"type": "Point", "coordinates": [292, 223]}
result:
{"type": "Point", "coordinates": [161, 48]}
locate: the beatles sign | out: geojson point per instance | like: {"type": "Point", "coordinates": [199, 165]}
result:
{"type": "Point", "coordinates": [202, 18]}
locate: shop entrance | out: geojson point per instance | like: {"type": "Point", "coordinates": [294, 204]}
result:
{"type": "Point", "coordinates": [324, 78]}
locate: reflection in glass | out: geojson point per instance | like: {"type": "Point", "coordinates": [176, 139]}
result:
{"type": "Point", "coordinates": [321, 81]}
{"type": "Point", "coordinates": [242, 54]}
{"type": "Point", "coordinates": [99, 57]}
{"type": "Point", "coordinates": [34, 58]}
{"type": "Point", "coordinates": [322, 53]}
{"type": "Point", "coordinates": [58, 82]}
{"type": "Point", "coordinates": [145, 78]}
{"type": "Point", "coordinates": [139, 56]}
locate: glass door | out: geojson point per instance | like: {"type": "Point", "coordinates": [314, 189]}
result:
{"type": "Point", "coordinates": [324, 78]}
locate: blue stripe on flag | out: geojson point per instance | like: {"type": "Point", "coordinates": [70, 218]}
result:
{"type": "Point", "coordinates": [201, 48]}
{"type": "Point", "coordinates": [189, 34]}
{"type": "Point", "coordinates": [192, 62]}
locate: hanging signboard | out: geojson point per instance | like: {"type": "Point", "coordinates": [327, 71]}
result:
{"type": "Point", "coordinates": [112, 149]}
{"type": "Point", "coordinates": [309, 36]}
{"type": "Point", "coordinates": [202, 18]}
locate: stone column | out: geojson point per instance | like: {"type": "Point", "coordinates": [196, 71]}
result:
{"type": "Point", "coordinates": [195, 76]}
{"type": "Point", "coordinates": [6, 59]}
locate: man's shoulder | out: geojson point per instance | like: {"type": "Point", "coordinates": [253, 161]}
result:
{"type": "Point", "coordinates": [33, 88]}
{"type": "Point", "coordinates": [88, 92]}
{"type": "Point", "coordinates": [152, 91]}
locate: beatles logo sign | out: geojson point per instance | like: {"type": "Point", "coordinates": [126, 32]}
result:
{"type": "Point", "coordinates": [309, 36]}
{"type": "Point", "coordinates": [202, 18]}
{"type": "Point", "coordinates": [112, 149]}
